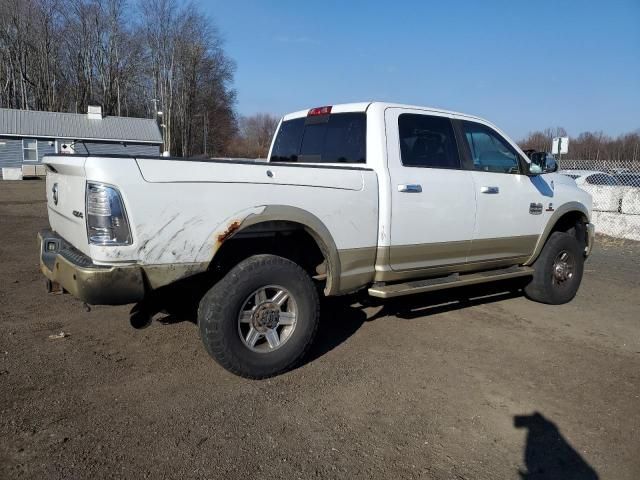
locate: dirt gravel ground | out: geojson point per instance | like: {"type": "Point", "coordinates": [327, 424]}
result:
{"type": "Point", "coordinates": [431, 387]}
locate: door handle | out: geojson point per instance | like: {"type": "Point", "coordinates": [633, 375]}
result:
{"type": "Point", "coordinates": [411, 188]}
{"type": "Point", "coordinates": [489, 190]}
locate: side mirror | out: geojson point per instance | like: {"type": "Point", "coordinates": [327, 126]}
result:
{"type": "Point", "coordinates": [534, 169]}
{"type": "Point", "coordinates": [550, 164]}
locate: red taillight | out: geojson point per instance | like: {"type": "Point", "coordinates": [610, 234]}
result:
{"type": "Point", "coordinates": [319, 111]}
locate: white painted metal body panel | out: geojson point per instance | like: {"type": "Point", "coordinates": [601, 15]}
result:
{"type": "Point", "coordinates": [442, 211]}
{"type": "Point", "coordinates": [506, 213]}
{"type": "Point", "coordinates": [69, 182]}
{"type": "Point", "coordinates": [258, 172]}
{"type": "Point", "coordinates": [179, 222]}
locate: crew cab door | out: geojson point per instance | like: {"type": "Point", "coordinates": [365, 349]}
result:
{"type": "Point", "coordinates": [511, 206]}
{"type": "Point", "coordinates": [432, 198]}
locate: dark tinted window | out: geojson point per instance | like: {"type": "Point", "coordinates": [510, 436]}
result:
{"type": "Point", "coordinates": [336, 138]}
{"type": "Point", "coordinates": [601, 179]}
{"type": "Point", "coordinates": [287, 144]}
{"type": "Point", "coordinates": [490, 152]}
{"type": "Point", "coordinates": [427, 141]}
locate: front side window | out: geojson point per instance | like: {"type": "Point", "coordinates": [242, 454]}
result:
{"type": "Point", "coordinates": [30, 149]}
{"type": "Point", "coordinates": [490, 152]}
{"type": "Point", "coordinates": [334, 138]}
{"type": "Point", "coordinates": [427, 141]}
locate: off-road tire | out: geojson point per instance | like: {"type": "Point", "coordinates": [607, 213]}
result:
{"type": "Point", "coordinates": [219, 309]}
{"type": "Point", "coordinates": [544, 286]}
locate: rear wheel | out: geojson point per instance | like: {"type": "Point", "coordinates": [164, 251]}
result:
{"type": "Point", "coordinates": [260, 319]}
{"type": "Point", "coordinates": [558, 270]}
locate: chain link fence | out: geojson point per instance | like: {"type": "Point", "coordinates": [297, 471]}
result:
{"type": "Point", "coordinates": [615, 188]}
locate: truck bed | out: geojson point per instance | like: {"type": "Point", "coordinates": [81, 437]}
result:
{"type": "Point", "coordinates": [180, 209]}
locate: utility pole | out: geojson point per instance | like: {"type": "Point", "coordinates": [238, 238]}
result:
{"type": "Point", "coordinates": [158, 118]}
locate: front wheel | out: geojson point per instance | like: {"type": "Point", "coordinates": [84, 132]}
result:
{"type": "Point", "coordinates": [260, 319]}
{"type": "Point", "coordinates": [558, 270]}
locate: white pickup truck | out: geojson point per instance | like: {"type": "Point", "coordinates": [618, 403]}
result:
{"type": "Point", "coordinates": [380, 198]}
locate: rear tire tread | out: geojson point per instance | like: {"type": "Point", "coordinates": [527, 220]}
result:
{"type": "Point", "coordinates": [217, 306]}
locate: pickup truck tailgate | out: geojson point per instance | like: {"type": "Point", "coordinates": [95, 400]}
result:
{"type": "Point", "coordinates": [65, 187]}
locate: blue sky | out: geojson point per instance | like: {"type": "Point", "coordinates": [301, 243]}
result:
{"type": "Point", "coordinates": [523, 65]}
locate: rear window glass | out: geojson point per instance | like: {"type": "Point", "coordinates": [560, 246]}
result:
{"type": "Point", "coordinates": [335, 138]}
{"type": "Point", "coordinates": [427, 141]}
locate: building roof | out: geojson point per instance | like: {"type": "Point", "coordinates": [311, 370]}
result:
{"type": "Point", "coordinates": [77, 126]}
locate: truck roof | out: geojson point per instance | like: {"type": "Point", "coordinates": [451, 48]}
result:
{"type": "Point", "coordinates": [363, 106]}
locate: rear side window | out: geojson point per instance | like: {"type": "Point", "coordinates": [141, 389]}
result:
{"type": "Point", "coordinates": [490, 152]}
{"type": "Point", "coordinates": [334, 138]}
{"type": "Point", "coordinates": [427, 141]}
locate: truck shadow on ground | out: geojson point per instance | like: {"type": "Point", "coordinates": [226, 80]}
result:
{"type": "Point", "coordinates": [547, 454]}
{"type": "Point", "coordinates": [341, 317]}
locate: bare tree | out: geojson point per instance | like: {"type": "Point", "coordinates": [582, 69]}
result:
{"type": "Point", "coordinates": [255, 134]}
{"type": "Point", "coordinates": [589, 145]}
{"type": "Point", "coordinates": [133, 57]}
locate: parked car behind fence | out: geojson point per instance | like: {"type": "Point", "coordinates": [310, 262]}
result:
{"type": "Point", "coordinates": [628, 179]}
{"type": "Point", "coordinates": [603, 187]}
{"type": "Point", "coordinates": [615, 188]}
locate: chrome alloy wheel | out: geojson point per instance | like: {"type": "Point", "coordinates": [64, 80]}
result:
{"type": "Point", "coordinates": [563, 268]}
{"type": "Point", "coordinates": [267, 319]}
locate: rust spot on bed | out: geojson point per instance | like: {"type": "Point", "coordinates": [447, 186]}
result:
{"type": "Point", "coordinates": [231, 229]}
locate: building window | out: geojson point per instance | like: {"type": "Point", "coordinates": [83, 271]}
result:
{"type": "Point", "coordinates": [30, 149]}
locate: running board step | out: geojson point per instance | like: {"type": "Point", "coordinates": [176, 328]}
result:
{"type": "Point", "coordinates": [451, 281]}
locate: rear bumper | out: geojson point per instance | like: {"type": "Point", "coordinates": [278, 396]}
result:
{"type": "Point", "coordinates": [78, 275]}
{"type": "Point", "coordinates": [591, 238]}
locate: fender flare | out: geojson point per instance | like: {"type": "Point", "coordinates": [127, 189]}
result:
{"type": "Point", "coordinates": [269, 213]}
{"type": "Point", "coordinates": [561, 211]}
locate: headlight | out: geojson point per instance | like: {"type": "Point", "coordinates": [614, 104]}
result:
{"type": "Point", "coordinates": [107, 222]}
